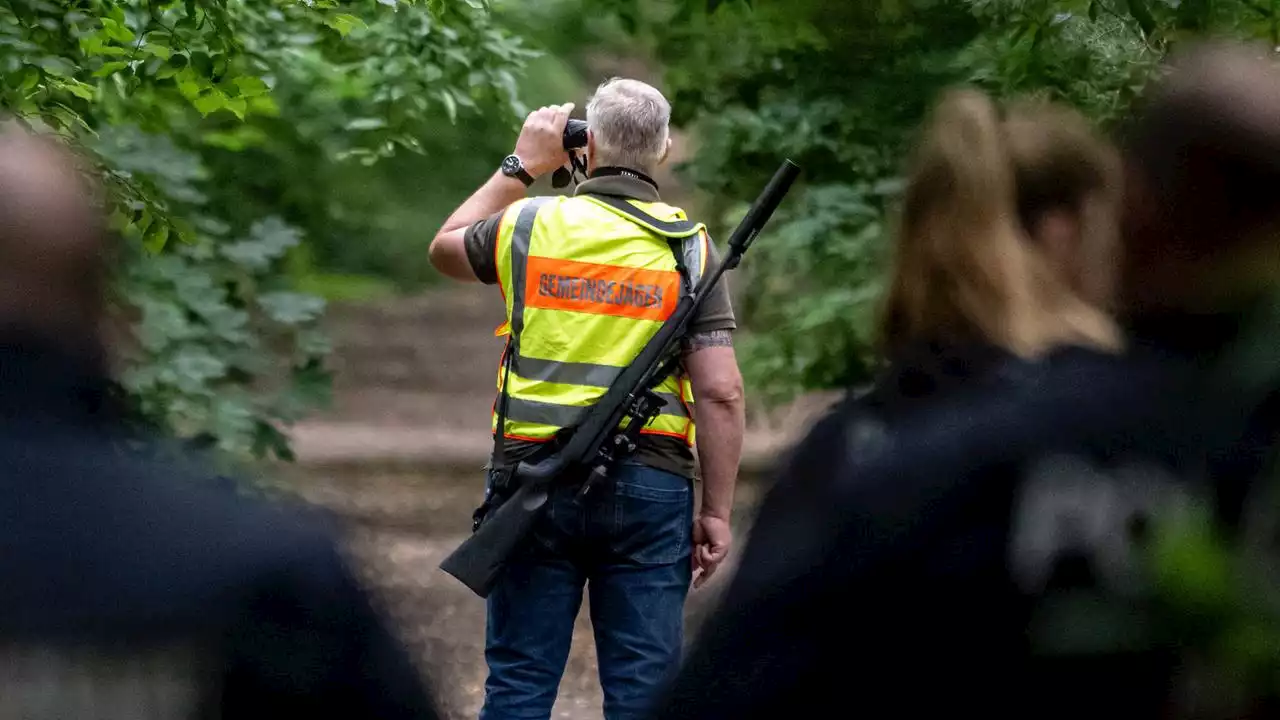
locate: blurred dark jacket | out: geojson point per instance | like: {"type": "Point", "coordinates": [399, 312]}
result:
{"type": "Point", "coordinates": [139, 588]}
{"type": "Point", "coordinates": [876, 581]}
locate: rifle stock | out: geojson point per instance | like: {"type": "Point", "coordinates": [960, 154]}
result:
{"type": "Point", "coordinates": [479, 560]}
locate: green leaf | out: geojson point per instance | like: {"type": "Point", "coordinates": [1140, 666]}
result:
{"type": "Point", "coordinates": [189, 83]}
{"type": "Point", "coordinates": [201, 64]}
{"type": "Point", "coordinates": [197, 366]}
{"type": "Point", "coordinates": [210, 102]}
{"type": "Point", "coordinates": [268, 241]}
{"type": "Point", "coordinates": [186, 233]}
{"type": "Point", "coordinates": [58, 67]}
{"type": "Point", "coordinates": [344, 23]}
{"type": "Point", "coordinates": [237, 106]}
{"type": "Point", "coordinates": [116, 30]}
{"type": "Point", "coordinates": [250, 86]}
{"type": "Point", "coordinates": [110, 67]}
{"type": "Point", "coordinates": [239, 138]}
{"type": "Point", "coordinates": [366, 124]}
{"type": "Point", "coordinates": [450, 105]}
{"type": "Point", "coordinates": [290, 308]}
{"type": "Point", "coordinates": [68, 117]}
{"type": "Point", "coordinates": [176, 64]}
{"type": "Point", "coordinates": [30, 78]}
{"type": "Point", "coordinates": [1142, 15]}
{"type": "Point", "coordinates": [79, 89]}
{"type": "Point", "coordinates": [156, 238]}
{"type": "Point", "coordinates": [143, 221]}
{"type": "Point", "coordinates": [163, 52]}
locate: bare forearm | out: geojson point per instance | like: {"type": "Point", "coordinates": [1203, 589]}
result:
{"type": "Point", "coordinates": [448, 250]}
{"type": "Point", "coordinates": [721, 424]}
{"type": "Point", "coordinates": [497, 192]}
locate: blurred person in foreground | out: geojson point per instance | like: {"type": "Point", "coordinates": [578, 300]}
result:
{"type": "Point", "coordinates": [135, 588]}
{"type": "Point", "coordinates": [1000, 552]}
{"type": "Point", "coordinates": [1004, 255]}
{"type": "Point", "coordinates": [1005, 248]}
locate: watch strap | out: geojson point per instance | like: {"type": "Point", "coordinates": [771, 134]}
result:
{"type": "Point", "coordinates": [519, 173]}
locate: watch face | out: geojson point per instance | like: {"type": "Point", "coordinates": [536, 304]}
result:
{"type": "Point", "coordinates": [511, 165]}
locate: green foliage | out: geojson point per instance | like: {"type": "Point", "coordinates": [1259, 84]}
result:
{"type": "Point", "coordinates": [226, 132]}
{"type": "Point", "coordinates": [327, 164]}
{"type": "Point", "coordinates": [840, 88]}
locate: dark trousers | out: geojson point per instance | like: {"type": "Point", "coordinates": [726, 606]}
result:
{"type": "Point", "coordinates": [630, 543]}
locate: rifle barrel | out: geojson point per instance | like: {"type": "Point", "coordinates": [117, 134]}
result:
{"type": "Point", "coordinates": [763, 208]}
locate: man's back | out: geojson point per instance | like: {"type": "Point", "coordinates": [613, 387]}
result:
{"type": "Point", "coordinates": [586, 289]}
{"type": "Point", "coordinates": [138, 588]}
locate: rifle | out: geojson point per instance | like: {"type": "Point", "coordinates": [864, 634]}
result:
{"type": "Point", "coordinates": [610, 428]}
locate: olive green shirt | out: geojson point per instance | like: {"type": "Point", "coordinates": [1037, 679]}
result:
{"type": "Point", "coordinates": [716, 314]}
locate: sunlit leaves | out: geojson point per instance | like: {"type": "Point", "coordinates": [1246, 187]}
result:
{"type": "Point", "coordinates": [366, 124]}
{"type": "Point", "coordinates": [344, 23]}
{"type": "Point", "coordinates": [156, 90]}
{"type": "Point", "coordinates": [841, 88]}
{"type": "Point", "coordinates": [250, 86]}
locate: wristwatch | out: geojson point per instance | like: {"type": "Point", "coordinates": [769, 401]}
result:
{"type": "Point", "coordinates": [512, 167]}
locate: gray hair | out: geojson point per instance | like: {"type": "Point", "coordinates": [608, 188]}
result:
{"type": "Point", "coordinates": [630, 123]}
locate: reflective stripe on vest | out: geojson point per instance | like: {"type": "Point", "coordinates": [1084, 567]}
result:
{"type": "Point", "coordinates": [586, 286]}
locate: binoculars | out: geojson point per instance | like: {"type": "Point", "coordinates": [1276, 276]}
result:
{"type": "Point", "coordinates": [575, 138]}
{"type": "Point", "coordinates": [575, 134]}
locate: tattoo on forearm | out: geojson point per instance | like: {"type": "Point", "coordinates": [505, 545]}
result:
{"type": "Point", "coordinates": [715, 338]}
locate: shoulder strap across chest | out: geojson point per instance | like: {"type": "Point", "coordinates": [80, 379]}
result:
{"type": "Point", "coordinates": [673, 229]}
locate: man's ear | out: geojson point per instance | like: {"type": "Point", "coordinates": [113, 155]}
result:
{"type": "Point", "coordinates": [666, 152]}
{"type": "Point", "coordinates": [591, 151]}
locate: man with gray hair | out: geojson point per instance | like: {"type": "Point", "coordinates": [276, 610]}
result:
{"type": "Point", "coordinates": [587, 281]}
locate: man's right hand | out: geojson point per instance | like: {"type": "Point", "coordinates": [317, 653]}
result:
{"type": "Point", "coordinates": [711, 540]}
{"type": "Point", "coordinates": [541, 143]}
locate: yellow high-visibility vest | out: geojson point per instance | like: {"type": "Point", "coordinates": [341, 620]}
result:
{"type": "Point", "coordinates": [586, 285]}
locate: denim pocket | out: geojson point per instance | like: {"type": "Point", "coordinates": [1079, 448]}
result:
{"type": "Point", "coordinates": [653, 516]}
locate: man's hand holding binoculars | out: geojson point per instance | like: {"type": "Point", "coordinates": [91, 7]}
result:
{"type": "Point", "coordinates": [540, 146]}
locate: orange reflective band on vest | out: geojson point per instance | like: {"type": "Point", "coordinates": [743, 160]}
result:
{"type": "Point", "coordinates": [586, 287]}
{"type": "Point", "coordinates": [601, 289]}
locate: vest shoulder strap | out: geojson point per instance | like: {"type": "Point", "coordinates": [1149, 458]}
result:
{"type": "Point", "coordinates": [675, 229]}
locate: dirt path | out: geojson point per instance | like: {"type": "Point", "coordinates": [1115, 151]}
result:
{"type": "Point", "coordinates": [400, 455]}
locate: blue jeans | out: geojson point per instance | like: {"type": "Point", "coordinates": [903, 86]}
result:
{"type": "Point", "coordinates": [630, 543]}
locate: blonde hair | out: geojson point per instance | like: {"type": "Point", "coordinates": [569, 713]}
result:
{"type": "Point", "coordinates": [966, 266]}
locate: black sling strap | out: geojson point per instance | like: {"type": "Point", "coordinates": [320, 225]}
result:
{"type": "Point", "coordinates": [665, 228]}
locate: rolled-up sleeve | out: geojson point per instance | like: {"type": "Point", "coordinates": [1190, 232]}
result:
{"type": "Point", "coordinates": [717, 312]}
{"type": "Point", "coordinates": [481, 243]}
